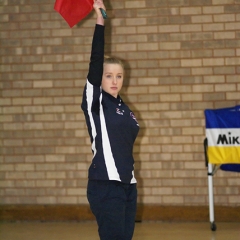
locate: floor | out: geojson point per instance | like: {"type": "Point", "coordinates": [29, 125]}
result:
{"type": "Point", "coordinates": [143, 231]}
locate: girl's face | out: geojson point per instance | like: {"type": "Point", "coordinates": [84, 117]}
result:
{"type": "Point", "coordinates": [112, 79]}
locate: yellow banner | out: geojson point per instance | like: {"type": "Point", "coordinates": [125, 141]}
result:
{"type": "Point", "coordinates": [223, 155]}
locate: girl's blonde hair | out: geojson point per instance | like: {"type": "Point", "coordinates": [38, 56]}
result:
{"type": "Point", "coordinates": [113, 60]}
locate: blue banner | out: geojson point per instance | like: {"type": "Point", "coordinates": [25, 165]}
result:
{"type": "Point", "coordinates": [223, 118]}
{"type": "Point", "coordinates": [223, 135]}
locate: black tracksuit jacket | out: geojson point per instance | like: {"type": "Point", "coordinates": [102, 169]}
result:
{"type": "Point", "coordinates": [112, 126]}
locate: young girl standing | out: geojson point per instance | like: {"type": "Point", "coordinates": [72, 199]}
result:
{"type": "Point", "coordinates": [113, 128]}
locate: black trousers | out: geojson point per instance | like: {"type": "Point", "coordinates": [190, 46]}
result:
{"type": "Point", "coordinates": [114, 205]}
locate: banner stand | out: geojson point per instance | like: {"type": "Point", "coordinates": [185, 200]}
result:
{"type": "Point", "coordinates": [221, 147]}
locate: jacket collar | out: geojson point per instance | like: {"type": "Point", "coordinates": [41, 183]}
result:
{"type": "Point", "coordinates": [117, 100]}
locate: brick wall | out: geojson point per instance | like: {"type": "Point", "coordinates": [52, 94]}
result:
{"type": "Point", "coordinates": [182, 56]}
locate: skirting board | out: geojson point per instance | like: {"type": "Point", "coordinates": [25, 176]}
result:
{"type": "Point", "coordinates": [144, 213]}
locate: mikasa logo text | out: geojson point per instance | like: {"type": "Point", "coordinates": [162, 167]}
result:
{"type": "Point", "coordinates": [226, 139]}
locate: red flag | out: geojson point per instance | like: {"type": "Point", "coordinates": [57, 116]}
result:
{"type": "Point", "coordinates": [73, 11]}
